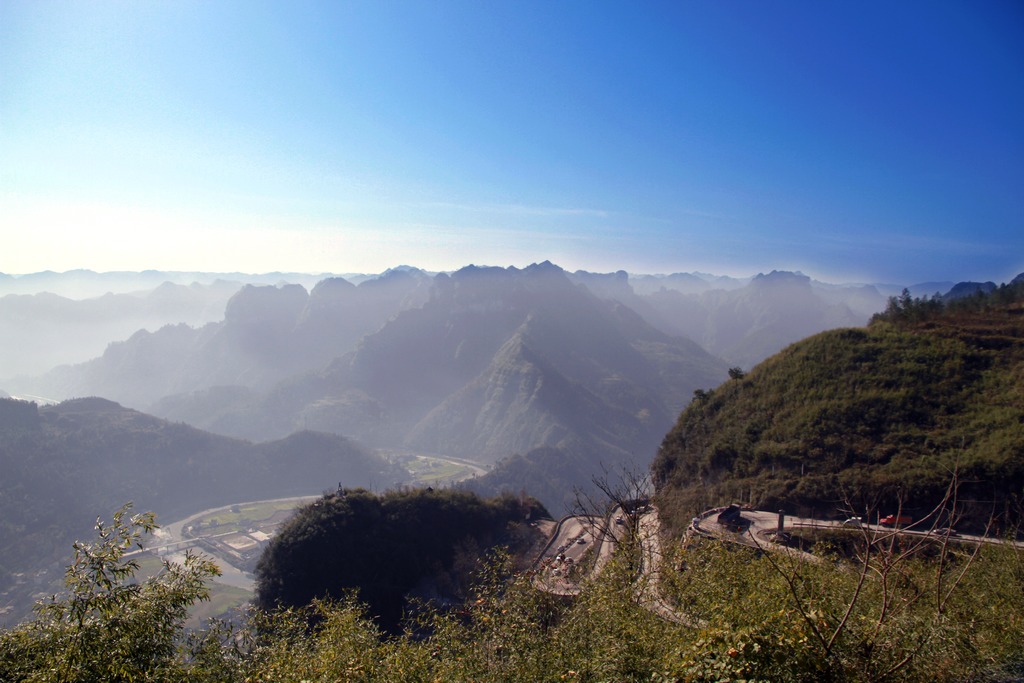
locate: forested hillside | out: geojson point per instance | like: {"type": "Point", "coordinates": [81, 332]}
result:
{"type": "Point", "coordinates": [416, 543]}
{"type": "Point", "coordinates": [857, 420]}
{"type": "Point", "coordinates": [63, 465]}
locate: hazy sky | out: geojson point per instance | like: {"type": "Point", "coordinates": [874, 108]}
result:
{"type": "Point", "coordinates": [879, 141]}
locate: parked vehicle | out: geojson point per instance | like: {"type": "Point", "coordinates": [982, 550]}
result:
{"type": "Point", "coordinates": [729, 515]}
{"type": "Point", "coordinates": [895, 520]}
{"type": "Point", "coordinates": [854, 521]}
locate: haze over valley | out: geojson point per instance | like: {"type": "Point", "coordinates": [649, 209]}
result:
{"type": "Point", "coordinates": [481, 363]}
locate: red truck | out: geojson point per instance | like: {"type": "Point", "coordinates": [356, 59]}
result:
{"type": "Point", "coordinates": [895, 520]}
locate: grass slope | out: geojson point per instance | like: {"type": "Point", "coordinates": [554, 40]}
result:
{"type": "Point", "coordinates": [861, 419]}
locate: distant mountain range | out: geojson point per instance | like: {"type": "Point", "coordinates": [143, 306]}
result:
{"type": "Point", "coordinates": [86, 284]}
{"type": "Point", "coordinates": [522, 366]}
{"type": "Point", "coordinates": [264, 333]}
{"type": "Point", "coordinates": [42, 330]}
{"type": "Point", "coordinates": [52, 319]}
{"type": "Point", "coordinates": [746, 322]}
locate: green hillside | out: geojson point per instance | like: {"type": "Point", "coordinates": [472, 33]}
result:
{"type": "Point", "coordinates": [856, 420]}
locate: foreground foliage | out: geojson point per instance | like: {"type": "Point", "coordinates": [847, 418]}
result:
{"type": "Point", "coordinates": [107, 627]}
{"type": "Point", "coordinates": [741, 614]}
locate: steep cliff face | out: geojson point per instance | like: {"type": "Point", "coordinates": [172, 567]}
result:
{"type": "Point", "coordinates": [519, 403]}
{"type": "Point", "coordinates": [500, 361]}
{"type": "Point", "coordinates": [338, 314]}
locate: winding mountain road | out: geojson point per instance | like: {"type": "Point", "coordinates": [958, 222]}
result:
{"type": "Point", "coordinates": [755, 528]}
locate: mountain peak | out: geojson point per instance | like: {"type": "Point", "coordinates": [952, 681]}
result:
{"type": "Point", "coordinates": [779, 276]}
{"type": "Point", "coordinates": [965, 289]}
{"type": "Point", "coordinates": [543, 267]}
{"type": "Point", "coordinates": [266, 303]}
{"type": "Point", "coordinates": [331, 285]}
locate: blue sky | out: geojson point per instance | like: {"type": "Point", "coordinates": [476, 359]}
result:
{"type": "Point", "coordinates": [855, 141]}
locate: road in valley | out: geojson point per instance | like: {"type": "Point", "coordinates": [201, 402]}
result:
{"type": "Point", "coordinates": [170, 541]}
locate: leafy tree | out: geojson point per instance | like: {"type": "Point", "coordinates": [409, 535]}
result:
{"type": "Point", "coordinates": [107, 626]}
